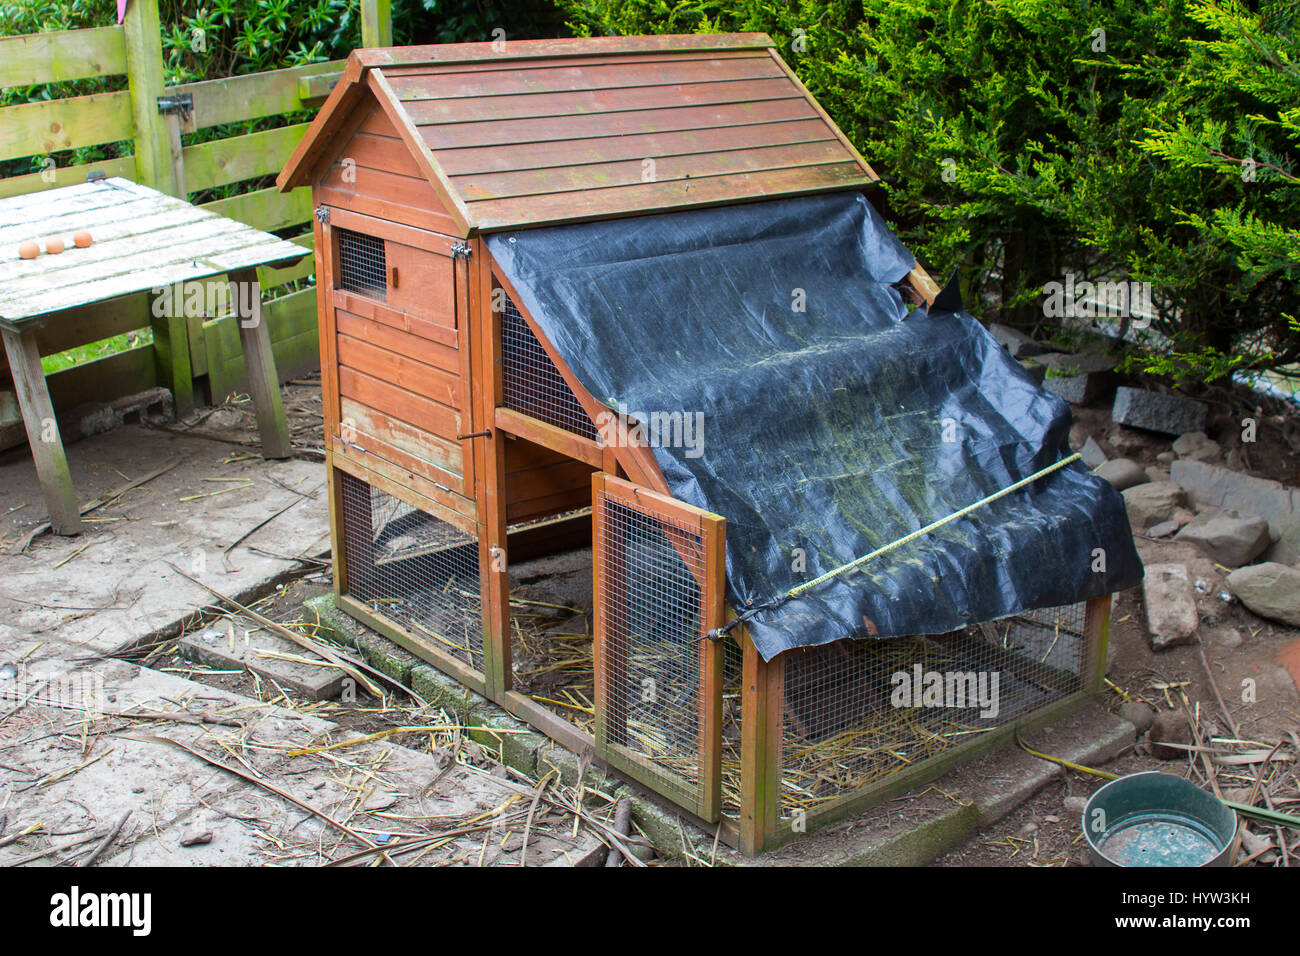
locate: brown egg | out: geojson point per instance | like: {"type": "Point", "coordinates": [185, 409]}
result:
{"type": "Point", "coordinates": [54, 246]}
{"type": "Point", "coordinates": [82, 239]}
{"type": "Point", "coordinates": [29, 250]}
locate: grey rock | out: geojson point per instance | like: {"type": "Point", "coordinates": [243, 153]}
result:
{"type": "Point", "coordinates": [1016, 342]}
{"type": "Point", "coordinates": [1152, 503]}
{"type": "Point", "coordinates": [1198, 447]}
{"type": "Point", "coordinates": [1156, 473]}
{"type": "Point", "coordinates": [1122, 473]}
{"type": "Point", "coordinates": [1075, 804]}
{"type": "Point", "coordinates": [1079, 378]}
{"type": "Point", "coordinates": [1169, 727]}
{"type": "Point", "coordinates": [1227, 537]}
{"type": "Point", "coordinates": [1279, 505]}
{"type": "Point", "coordinates": [1092, 454]}
{"type": "Point", "coordinates": [1170, 606]}
{"type": "Point", "coordinates": [1035, 372]}
{"type": "Point", "coordinates": [1129, 442]}
{"type": "Point", "coordinates": [1139, 714]}
{"type": "Point", "coordinates": [1270, 590]}
{"type": "Point", "coordinates": [1166, 458]}
{"type": "Point", "coordinates": [1167, 414]}
{"type": "Point", "coordinates": [1164, 529]}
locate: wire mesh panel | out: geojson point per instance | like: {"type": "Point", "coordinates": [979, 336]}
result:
{"type": "Point", "coordinates": [414, 569]}
{"type": "Point", "coordinates": [857, 713]}
{"type": "Point", "coordinates": [530, 382]}
{"type": "Point", "coordinates": [362, 266]}
{"type": "Point", "coordinates": [658, 579]}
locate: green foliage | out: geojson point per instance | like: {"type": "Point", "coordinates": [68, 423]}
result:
{"type": "Point", "coordinates": [1022, 139]}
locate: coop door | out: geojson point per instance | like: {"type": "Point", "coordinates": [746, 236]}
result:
{"type": "Point", "coordinates": [398, 301]}
{"type": "Point", "coordinates": [658, 575]}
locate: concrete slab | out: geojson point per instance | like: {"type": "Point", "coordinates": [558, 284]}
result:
{"type": "Point", "coordinates": [239, 643]}
{"type": "Point", "coordinates": [111, 587]}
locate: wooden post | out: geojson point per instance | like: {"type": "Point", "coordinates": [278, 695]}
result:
{"type": "Point", "coordinates": [376, 23]}
{"type": "Point", "coordinates": [760, 748]}
{"type": "Point", "coordinates": [42, 431]}
{"type": "Point", "coordinates": [712, 660]}
{"type": "Point", "coordinates": [263, 382]}
{"type": "Point", "coordinates": [144, 64]}
{"type": "Point", "coordinates": [171, 349]}
{"type": "Point", "coordinates": [1096, 627]}
{"type": "Point", "coordinates": [484, 342]}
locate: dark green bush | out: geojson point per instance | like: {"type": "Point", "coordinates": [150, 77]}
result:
{"type": "Point", "coordinates": [1015, 142]}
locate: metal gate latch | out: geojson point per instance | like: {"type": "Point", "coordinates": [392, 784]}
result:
{"type": "Point", "coordinates": [182, 104]}
{"type": "Point", "coordinates": [460, 249]}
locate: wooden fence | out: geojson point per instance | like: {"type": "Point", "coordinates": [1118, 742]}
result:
{"type": "Point", "coordinates": [159, 159]}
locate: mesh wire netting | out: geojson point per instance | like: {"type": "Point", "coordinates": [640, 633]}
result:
{"type": "Point", "coordinates": [530, 382]}
{"type": "Point", "coordinates": [651, 604]}
{"type": "Point", "coordinates": [413, 568]}
{"type": "Point", "coordinates": [856, 713]}
{"type": "Point", "coordinates": [362, 266]}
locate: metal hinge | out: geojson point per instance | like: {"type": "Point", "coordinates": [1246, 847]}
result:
{"type": "Point", "coordinates": [459, 249]}
{"type": "Point", "coordinates": [322, 214]}
{"type": "Point", "coordinates": [180, 103]}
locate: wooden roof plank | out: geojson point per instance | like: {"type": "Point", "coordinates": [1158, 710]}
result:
{"type": "Point", "coordinates": [495, 64]}
{"type": "Point", "coordinates": [570, 46]}
{"type": "Point", "coordinates": [582, 102]}
{"type": "Point", "coordinates": [536, 182]}
{"type": "Point", "coordinates": [497, 132]}
{"type": "Point", "coordinates": [547, 154]}
{"type": "Point", "coordinates": [602, 75]}
{"type": "Point", "coordinates": [646, 198]}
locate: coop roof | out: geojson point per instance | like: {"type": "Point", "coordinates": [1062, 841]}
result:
{"type": "Point", "coordinates": [537, 132]}
{"type": "Point", "coordinates": [828, 418]}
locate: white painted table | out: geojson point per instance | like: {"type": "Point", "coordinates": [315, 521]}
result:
{"type": "Point", "coordinates": [144, 241]}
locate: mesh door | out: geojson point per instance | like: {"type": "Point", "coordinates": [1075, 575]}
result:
{"type": "Point", "coordinates": [414, 569]}
{"type": "Point", "coordinates": [362, 265]}
{"type": "Point", "coordinates": [658, 583]}
{"type": "Point", "coordinates": [530, 382]}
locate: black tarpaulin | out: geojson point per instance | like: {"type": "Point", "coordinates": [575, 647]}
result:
{"type": "Point", "coordinates": [834, 420]}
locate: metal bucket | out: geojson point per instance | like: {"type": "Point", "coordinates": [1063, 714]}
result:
{"type": "Point", "coordinates": [1156, 819]}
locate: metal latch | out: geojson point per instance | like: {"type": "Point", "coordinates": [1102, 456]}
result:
{"type": "Point", "coordinates": [322, 214]}
{"type": "Point", "coordinates": [459, 249]}
{"type": "Point", "coordinates": [181, 104]}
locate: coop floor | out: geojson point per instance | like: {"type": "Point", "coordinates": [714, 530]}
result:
{"type": "Point", "coordinates": [842, 731]}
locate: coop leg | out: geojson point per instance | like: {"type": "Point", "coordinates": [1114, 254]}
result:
{"type": "Point", "coordinates": [608, 591]}
{"type": "Point", "coordinates": [263, 382]}
{"type": "Point", "coordinates": [760, 749]}
{"type": "Point", "coordinates": [1096, 628]}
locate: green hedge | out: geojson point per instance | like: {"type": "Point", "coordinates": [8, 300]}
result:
{"type": "Point", "coordinates": [1021, 140]}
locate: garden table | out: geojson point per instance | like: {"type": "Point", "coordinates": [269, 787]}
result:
{"type": "Point", "coordinates": [143, 240]}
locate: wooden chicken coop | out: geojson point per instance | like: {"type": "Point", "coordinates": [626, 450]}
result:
{"type": "Point", "coordinates": [515, 243]}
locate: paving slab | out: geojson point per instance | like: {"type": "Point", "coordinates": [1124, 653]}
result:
{"type": "Point", "coordinates": [240, 644]}
{"type": "Point", "coordinates": [111, 586]}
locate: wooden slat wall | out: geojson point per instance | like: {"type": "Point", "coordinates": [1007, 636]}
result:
{"type": "Point", "coordinates": [385, 181]}
{"type": "Point", "coordinates": [541, 482]}
{"type": "Point", "coordinates": [549, 140]}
